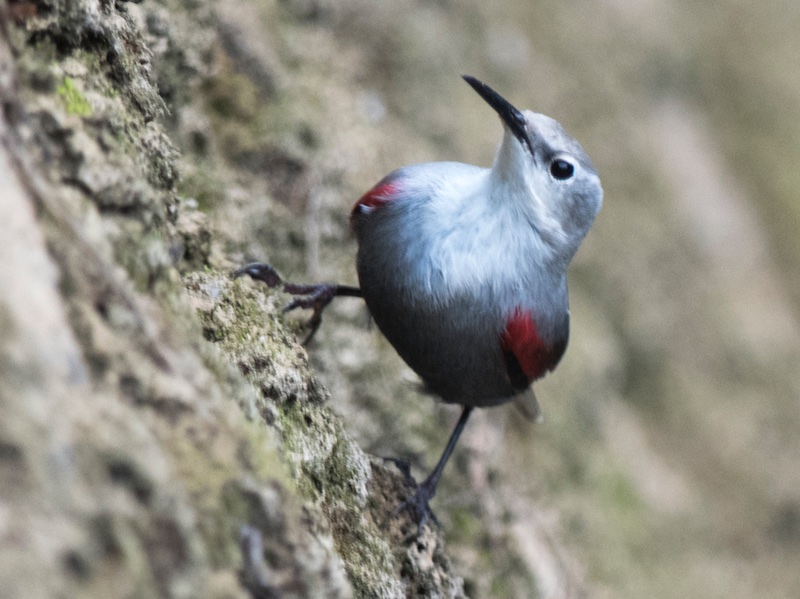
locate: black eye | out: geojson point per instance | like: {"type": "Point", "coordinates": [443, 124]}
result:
{"type": "Point", "coordinates": [561, 169]}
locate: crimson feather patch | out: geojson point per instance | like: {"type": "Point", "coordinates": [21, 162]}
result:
{"type": "Point", "coordinates": [527, 356]}
{"type": "Point", "coordinates": [385, 191]}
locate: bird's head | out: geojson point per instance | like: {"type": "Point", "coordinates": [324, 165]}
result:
{"type": "Point", "coordinates": [544, 170]}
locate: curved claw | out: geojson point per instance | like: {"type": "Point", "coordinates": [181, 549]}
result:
{"type": "Point", "coordinates": [260, 271]}
{"type": "Point", "coordinates": [313, 324]}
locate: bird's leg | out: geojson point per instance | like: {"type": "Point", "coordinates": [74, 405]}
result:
{"type": "Point", "coordinates": [419, 503]}
{"type": "Point", "coordinates": [313, 297]}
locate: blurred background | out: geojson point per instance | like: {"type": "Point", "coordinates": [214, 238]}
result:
{"type": "Point", "coordinates": [667, 463]}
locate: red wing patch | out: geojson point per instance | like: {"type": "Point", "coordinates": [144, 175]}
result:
{"type": "Point", "coordinates": [383, 193]}
{"type": "Point", "coordinates": [527, 356]}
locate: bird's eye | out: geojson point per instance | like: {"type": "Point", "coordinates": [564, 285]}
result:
{"type": "Point", "coordinates": [561, 169]}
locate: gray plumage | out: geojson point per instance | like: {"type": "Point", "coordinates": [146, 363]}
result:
{"type": "Point", "coordinates": [452, 251]}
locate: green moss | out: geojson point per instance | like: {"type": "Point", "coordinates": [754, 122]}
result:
{"type": "Point", "coordinates": [73, 100]}
{"type": "Point", "coordinates": [331, 471]}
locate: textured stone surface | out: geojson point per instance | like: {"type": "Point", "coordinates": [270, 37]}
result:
{"type": "Point", "coordinates": [161, 436]}
{"type": "Point", "coordinates": [161, 432]}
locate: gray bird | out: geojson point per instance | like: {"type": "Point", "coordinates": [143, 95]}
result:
{"type": "Point", "coordinates": [464, 268]}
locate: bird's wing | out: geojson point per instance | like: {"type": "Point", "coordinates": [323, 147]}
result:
{"type": "Point", "coordinates": [526, 355]}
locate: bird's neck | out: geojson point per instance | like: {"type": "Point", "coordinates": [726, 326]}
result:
{"type": "Point", "coordinates": [511, 189]}
{"type": "Point", "coordinates": [509, 166]}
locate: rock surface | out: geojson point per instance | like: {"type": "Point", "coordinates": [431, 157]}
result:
{"type": "Point", "coordinates": [162, 433]}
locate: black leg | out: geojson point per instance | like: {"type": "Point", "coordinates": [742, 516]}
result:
{"type": "Point", "coordinates": [419, 504]}
{"type": "Point", "coordinates": [314, 297]}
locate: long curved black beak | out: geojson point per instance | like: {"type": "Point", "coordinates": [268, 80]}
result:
{"type": "Point", "coordinates": [510, 115]}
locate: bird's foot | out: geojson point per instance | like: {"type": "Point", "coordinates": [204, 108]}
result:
{"type": "Point", "coordinates": [417, 504]}
{"type": "Point", "coordinates": [260, 271]}
{"type": "Point", "coordinates": [313, 297]}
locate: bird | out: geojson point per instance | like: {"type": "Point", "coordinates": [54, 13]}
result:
{"type": "Point", "coordinates": [464, 269]}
